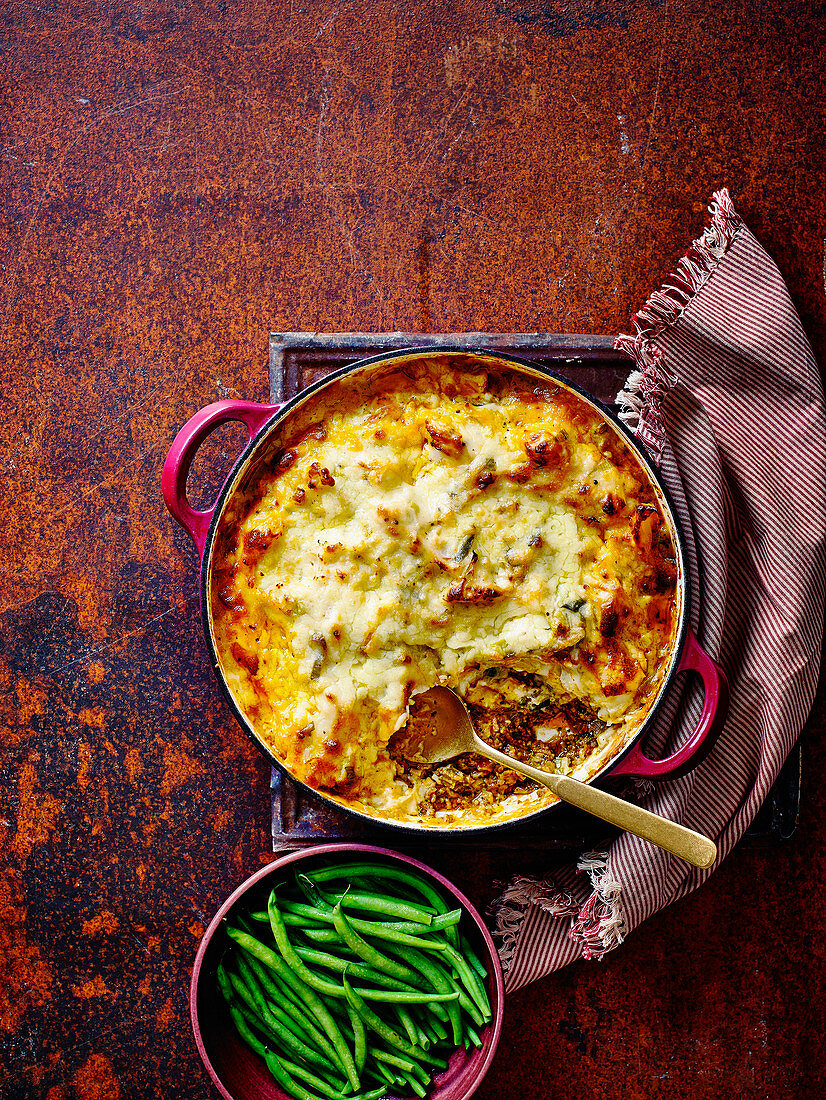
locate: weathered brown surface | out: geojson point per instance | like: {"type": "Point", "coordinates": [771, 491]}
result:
{"type": "Point", "coordinates": [178, 180]}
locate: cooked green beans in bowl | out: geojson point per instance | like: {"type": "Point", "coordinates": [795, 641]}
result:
{"type": "Point", "coordinates": [347, 972]}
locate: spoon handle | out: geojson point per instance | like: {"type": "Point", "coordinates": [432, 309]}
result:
{"type": "Point", "coordinates": [694, 848]}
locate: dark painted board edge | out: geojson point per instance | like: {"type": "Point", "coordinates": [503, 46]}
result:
{"type": "Point", "coordinates": [342, 347]}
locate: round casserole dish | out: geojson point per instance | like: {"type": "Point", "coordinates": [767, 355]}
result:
{"type": "Point", "coordinates": [281, 438]}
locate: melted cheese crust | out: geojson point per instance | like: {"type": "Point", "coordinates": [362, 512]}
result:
{"type": "Point", "coordinates": [469, 528]}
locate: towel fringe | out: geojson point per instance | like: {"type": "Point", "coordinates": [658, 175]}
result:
{"type": "Point", "coordinates": [641, 400]}
{"type": "Point", "coordinates": [509, 909]}
{"type": "Point", "coordinates": [599, 925]}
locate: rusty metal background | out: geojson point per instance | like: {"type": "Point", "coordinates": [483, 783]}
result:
{"type": "Point", "coordinates": [180, 177]}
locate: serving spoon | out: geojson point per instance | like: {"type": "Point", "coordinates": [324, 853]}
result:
{"type": "Point", "coordinates": [452, 732]}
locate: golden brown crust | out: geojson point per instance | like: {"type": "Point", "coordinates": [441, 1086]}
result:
{"type": "Point", "coordinates": [472, 528]}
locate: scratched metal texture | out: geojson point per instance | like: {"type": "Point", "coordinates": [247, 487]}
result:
{"type": "Point", "coordinates": [178, 178]}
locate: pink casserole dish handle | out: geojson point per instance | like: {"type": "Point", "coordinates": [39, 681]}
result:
{"type": "Point", "coordinates": [184, 448]}
{"type": "Point", "coordinates": [701, 741]}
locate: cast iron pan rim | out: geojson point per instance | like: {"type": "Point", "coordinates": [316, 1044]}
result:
{"type": "Point", "coordinates": [260, 439]}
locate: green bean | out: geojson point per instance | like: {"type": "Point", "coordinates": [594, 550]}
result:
{"type": "Point", "coordinates": [303, 1074]}
{"type": "Point", "coordinates": [393, 1060]}
{"type": "Point", "coordinates": [372, 1073]}
{"type": "Point", "coordinates": [424, 1039]}
{"type": "Point", "coordinates": [414, 1083]}
{"type": "Point", "coordinates": [409, 1026]}
{"type": "Point", "coordinates": [341, 1011]}
{"type": "Point", "coordinates": [292, 959]}
{"type": "Point", "coordinates": [471, 1006]}
{"type": "Point", "coordinates": [391, 938]}
{"type": "Point", "coordinates": [307, 1025]}
{"type": "Point", "coordinates": [279, 962]}
{"type": "Point", "coordinates": [301, 1027]}
{"type": "Point", "coordinates": [375, 1023]}
{"type": "Point", "coordinates": [366, 885]}
{"type": "Point", "coordinates": [293, 1088]}
{"type": "Point", "coordinates": [385, 1073]}
{"type": "Point", "coordinates": [253, 1019]}
{"type": "Point", "coordinates": [252, 999]}
{"type": "Point", "coordinates": [245, 1031]}
{"type": "Point", "coordinates": [381, 903]}
{"type": "Point", "coordinates": [270, 1001]}
{"type": "Point", "coordinates": [390, 1036]}
{"type": "Point", "coordinates": [313, 894]}
{"type": "Point", "coordinates": [400, 997]}
{"type": "Point", "coordinates": [396, 998]}
{"type": "Point", "coordinates": [365, 951]}
{"type": "Point", "coordinates": [223, 981]}
{"type": "Point", "coordinates": [322, 935]}
{"type": "Point", "coordinates": [470, 980]}
{"type": "Point", "coordinates": [437, 1027]}
{"type": "Point", "coordinates": [287, 952]}
{"type": "Point", "coordinates": [434, 969]}
{"type": "Point", "coordinates": [330, 936]}
{"type": "Point", "coordinates": [385, 872]}
{"type": "Point", "coordinates": [434, 1008]}
{"type": "Point", "coordinates": [373, 901]}
{"type": "Point", "coordinates": [404, 1066]}
{"type": "Point", "coordinates": [382, 872]}
{"type": "Point", "coordinates": [298, 914]}
{"type": "Point", "coordinates": [356, 969]}
{"type": "Point", "coordinates": [359, 1038]}
{"type": "Point", "coordinates": [437, 1009]}
{"type": "Point", "coordinates": [473, 1035]}
{"type": "Point", "coordinates": [466, 1004]}
{"type": "Point", "coordinates": [298, 920]}
{"type": "Point", "coordinates": [408, 932]}
{"type": "Point", "coordinates": [319, 911]}
{"type": "Point", "coordinates": [426, 1024]}
{"type": "Point", "coordinates": [274, 986]}
{"type": "Point", "coordinates": [276, 1027]}
{"type": "Point", "coordinates": [291, 1000]}
{"type": "Point", "coordinates": [439, 980]}
{"type": "Point", "coordinates": [295, 919]}
{"type": "Point", "coordinates": [401, 934]}
{"type": "Point", "coordinates": [293, 977]}
{"type": "Point", "coordinates": [446, 920]}
{"type": "Point", "coordinates": [473, 959]}
{"type": "Point", "coordinates": [246, 975]}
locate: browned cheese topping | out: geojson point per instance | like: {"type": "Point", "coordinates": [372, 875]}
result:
{"type": "Point", "coordinates": [475, 529]}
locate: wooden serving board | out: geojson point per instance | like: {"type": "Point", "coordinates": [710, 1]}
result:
{"type": "Point", "coordinates": [297, 359]}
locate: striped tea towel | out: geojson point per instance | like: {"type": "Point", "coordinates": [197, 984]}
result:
{"type": "Point", "coordinates": [728, 399]}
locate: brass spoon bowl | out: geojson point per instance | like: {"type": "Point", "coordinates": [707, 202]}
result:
{"type": "Point", "coordinates": [452, 732]}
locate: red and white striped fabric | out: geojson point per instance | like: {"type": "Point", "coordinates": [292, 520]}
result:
{"type": "Point", "coordinates": [728, 398]}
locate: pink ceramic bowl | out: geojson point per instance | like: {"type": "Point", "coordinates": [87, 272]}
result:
{"type": "Point", "coordinates": [241, 1075]}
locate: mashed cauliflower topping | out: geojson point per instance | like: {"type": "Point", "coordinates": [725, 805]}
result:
{"type": "Point", "coordinates": [470, 528]}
